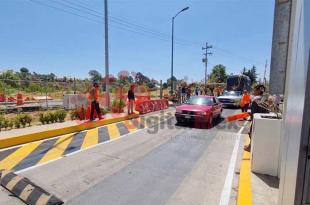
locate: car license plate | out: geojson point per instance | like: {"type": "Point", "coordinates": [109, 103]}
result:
{"type": "Point", "coordinates": [187, 116]}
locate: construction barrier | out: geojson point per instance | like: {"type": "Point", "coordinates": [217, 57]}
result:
{"type": "Point", "coordinates": [238, 116]}
{"type": "Point", "coordinates": [151, 105]}
{"type": "Point", "coordinates": [2, 98]}
{"type": "Point", "coordinates": [19, 99]}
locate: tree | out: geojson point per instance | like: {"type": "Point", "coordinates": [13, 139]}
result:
{"type": "Point", "coordinates": [95, 76]}
{"type": "Point", "coordinates": [141, 79]}
{"type": "Point", "coordinates": [165, 85]}
{"type": "Point", "coordinates": [169, 80]}
{"type": "Point", "coordinates": [251, 73]}
{"type": "Point", "coordinates": [218, 74]}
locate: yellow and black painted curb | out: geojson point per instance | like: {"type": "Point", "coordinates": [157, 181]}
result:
{"type": "Point", "coordinates": [10, 141]}
{"type": "Point", "coordinates": [244, 190]}
{"type": "Point", "coordinates": [26, 190]}
{"type": "Point", "coordinates": [40, 152]}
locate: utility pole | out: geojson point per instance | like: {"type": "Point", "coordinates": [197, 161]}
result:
{"type": "Point", "coordinates": [205, 60]}
{"type": "Point", "coordinates": [106, 33]}
{"type": "Point", "coordinates": [265, 80]}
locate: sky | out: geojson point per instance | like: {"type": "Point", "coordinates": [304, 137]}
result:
{"type": "Point", "coordinates": [66, 37]}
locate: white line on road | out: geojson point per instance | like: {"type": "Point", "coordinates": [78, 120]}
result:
{"type": "Point", "coordinates": [231, 168]}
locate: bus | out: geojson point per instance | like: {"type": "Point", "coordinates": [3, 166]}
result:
{"type": "Point", "coordinates": [238, 83]}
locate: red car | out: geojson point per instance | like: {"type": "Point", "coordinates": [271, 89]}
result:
{"type": "Point", "coordinates": [199, 109]}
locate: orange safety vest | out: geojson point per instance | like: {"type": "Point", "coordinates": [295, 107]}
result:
{"type": "Point", "coordinates": [245, 99]}
{"type": "Point", "coordinates": [94, 94]}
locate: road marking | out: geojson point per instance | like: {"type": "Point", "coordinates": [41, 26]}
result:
{"type": "Point", "coordinates": [130, 126]}
{"type": "Point", "coordinates": [16, 157]}
{"type": "Point", "coordinates": [58, 148]}
{"type": "Point", "coordinates": [82, 150]}
{"type": "Point", "coordinates": [113, 131]}
{"type": "Point", "coordinates": [225, 195]}
{"type": "Point", "coordinates": [23, 157]}
{"type": "Point", "coordinates": [91, 138]}
{"type": "Point", "coordinates": [244, 190]}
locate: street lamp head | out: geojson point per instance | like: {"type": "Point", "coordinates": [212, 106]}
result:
{"type": "Point", "coordinates": [186, 8]}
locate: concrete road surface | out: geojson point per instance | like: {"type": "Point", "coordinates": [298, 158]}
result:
{"type": "Point", "coordinates": [164, 164]}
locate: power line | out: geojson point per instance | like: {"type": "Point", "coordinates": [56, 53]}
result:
{"type": "Point", "coordinates": [63, 10]}
{"type": "Point", "coordinates": [126, 25]}
{"type": "Point", "coordinates": [122, 22]}
{"type": "Point", "coordinates": [118, 25]}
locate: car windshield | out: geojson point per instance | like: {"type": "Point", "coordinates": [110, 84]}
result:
{"type": "Point", "coordinates": [231, 93]}
{"type": "Point", "coordinates": [200, 101]}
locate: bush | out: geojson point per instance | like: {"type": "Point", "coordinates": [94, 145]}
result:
{"type": "Point", "coordinates": [74, 114]}
{"type": "Point", "coordinates": [17, 122]}
{"type": "Point", "coordinates": [104, 111]}
{"type": "Point", "coordinates": [61, 115]}
{"type": "Point", "coordinates": [11, 124]}
{"type": "Point", "coordinates": [42, 118]}
{"type": "Point", "coordinates": [52, 117]}
{"type": "Point", "coordinates": [25, 119]}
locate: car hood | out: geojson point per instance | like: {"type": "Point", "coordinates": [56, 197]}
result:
{"type": "Point", "coordinates": [194, 107]}
{"type": "Point", "coordinates": [229, 97]}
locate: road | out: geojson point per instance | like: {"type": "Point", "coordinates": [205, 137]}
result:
{"type": "Point", "coordinates": [158, 163]}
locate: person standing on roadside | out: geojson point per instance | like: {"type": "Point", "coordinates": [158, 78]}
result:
{"type": "Point", "coordinates": [183, 94]}
{"type": "Point", "coordinates": [94, 96]}
{"type": "Point", "coordinates": [196, 90]}
{"type": "Point", "coordinates": [131, 99]}
{"type": "Point", "coordinates": [256, 107]}
{"type": "Point", "coordinates": [245, 101]}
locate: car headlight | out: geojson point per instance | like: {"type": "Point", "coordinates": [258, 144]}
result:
{"type": "Point", "coordinates": [201, 113]}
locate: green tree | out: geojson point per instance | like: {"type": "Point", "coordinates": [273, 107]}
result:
{"type": "Point", "coordinates": [141, 79]}
{"type": "Point", "coordinates": [251, 73]}
{"type": "Point", "coordinates": [95, 76]}
{"type": "Point", "coordinates": [169, 80]}
{"type": "Point", "coordinates": [218, 74]}
{"type": "Point", "coordinates": [25, 77]}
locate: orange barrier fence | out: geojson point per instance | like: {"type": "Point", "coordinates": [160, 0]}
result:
{"type": "Point", "coordinates": [151, 105]}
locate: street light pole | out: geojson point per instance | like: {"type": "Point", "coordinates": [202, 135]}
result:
{"type": "Point", "coordinates": [106, 33]}
{"type": "Point", "coordinates": [172, 50]}
{"type": "Point", "coordinates": [172, 47]}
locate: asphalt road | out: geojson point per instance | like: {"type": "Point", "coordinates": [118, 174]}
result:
{"type": "Point", "coordinates": [161, 164]}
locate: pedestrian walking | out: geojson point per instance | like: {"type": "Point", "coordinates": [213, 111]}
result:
{"type": "Point", "coordinates": [94, 96]}
{"type": "Point", "coordinates": [183, 94]}
{"type": "Point", "coordinates": [188, 93]}
{"type": "Point", "coordinates": [131, 99]}
{"type": "Point", "coordinates": [179, 95]}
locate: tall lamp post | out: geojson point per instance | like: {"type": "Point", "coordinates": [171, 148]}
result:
{"type": "Point", "coordinates": [172, 46]}
{"type": "Point", "coordinates": [106, 32]}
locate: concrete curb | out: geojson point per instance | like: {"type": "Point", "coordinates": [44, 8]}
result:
{"type": "Point", "coordinates": [27, 191]}
{"type": "Point", "coordinates": [10, 141]}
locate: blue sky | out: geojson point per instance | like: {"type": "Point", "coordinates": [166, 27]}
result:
{"type": "Point", "coordinates": [46, 40]}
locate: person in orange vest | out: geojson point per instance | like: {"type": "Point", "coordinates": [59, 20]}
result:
{"type": "Point", "coordinates": [245, 101]}
{"type": "Point", "coordinates": [94, 97]}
